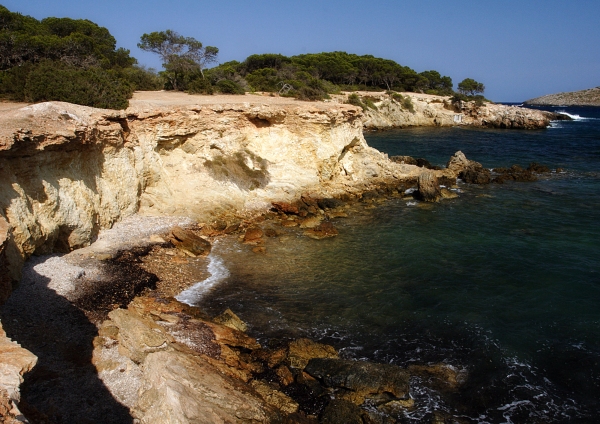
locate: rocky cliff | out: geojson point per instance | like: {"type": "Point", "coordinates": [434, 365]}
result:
{"type": "Point", "coordinates": [589, 97]}
{"type": "Point", "coordinates": [66, 171]}
{"type": "Point", "coordinates": [417, 110]}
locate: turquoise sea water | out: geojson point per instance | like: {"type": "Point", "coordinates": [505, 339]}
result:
{"type": "Point", "coordinates": [504, 281]}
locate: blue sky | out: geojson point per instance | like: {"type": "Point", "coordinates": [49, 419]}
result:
{"type": "Point", "coordinates": [518, 49]}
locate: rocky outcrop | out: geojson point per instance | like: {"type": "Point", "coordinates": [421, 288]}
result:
{"type": "Point", "coordinates": [589, 97]}
{"type": "Point", "coordinates": [66, 171]}
{"type": "Point", "coordinates": [429, 110]}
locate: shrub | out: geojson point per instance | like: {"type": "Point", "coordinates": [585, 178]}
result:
{"type": "Point", "coordinates": [229, 87]}
{"type": "Point", "coordinates": [309, 93]}
{"type": "Point", "coordinates": [408, 104]}
{"type": "Point", "coordinates": [142, 79]}
{"type": "Point", "coordinates": [354, 99]}
{"type": "Point", "coordinates": [200, 86]}
{"type": "Point", "coordinates": [94, 87]}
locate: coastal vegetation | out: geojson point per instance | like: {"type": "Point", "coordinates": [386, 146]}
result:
{"type": "Point", "coordinates": [72, 60]}
{"type": "Point", "coordinates": [77, 61]}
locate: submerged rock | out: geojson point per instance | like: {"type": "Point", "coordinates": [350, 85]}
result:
{"type": "Point", "coordinates": [439, 376]}
{"type": "Point", "coordinates": [514, 173]}
{"type": "Point", "coordinates": [323, 230]}
{"type": "Point", "coordinates": [253, 235]}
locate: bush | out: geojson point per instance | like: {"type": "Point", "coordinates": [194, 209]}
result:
{"type": "Point", "coordinates": [200, 86]}
{"type": "Point", "coordinates": [408, 104]}
{"type": "Point", "coordinates": [229, 87]}
{"type": "Point", "coordinates": [309, 93]}
{"type": "Point", "coordinates": [93, 87]}
{"type": "Point", "coordinates": [263, 80]}
{"type": "Point", "coordinates": [142, 79]}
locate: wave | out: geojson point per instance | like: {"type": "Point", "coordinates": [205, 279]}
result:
{"type": "Point", "coordinates": [574, 117]}
{"type": "Point", "coordinates": [218, 272]}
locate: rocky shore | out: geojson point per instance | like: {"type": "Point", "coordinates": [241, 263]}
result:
{"type": "Point", "coordinates": [111, 343]}
{"type": "Point", "coordinates": [383, 111]}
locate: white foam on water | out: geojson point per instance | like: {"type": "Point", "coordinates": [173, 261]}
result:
{"type": "Point", "coordinates": [574, 117]}
{"type": "Point", "coordinates": [410, 190]}
{"type": "Point", "coordinates": [411, 203]}
{"type": "Point", "coordinates": [218, 272]}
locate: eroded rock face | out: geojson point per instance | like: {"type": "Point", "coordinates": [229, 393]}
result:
{"type": "Point", "coordinates": [67, 171]}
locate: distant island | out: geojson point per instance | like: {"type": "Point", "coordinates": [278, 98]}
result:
{"type": "Point", "coordinates": [589, 97]}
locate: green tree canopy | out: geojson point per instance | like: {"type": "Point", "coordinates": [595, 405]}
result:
{"type": "Point", "coordinates": [65, 59]}
{"type": "Point", "coordinates": [180, 55]}
{"type": "Point", "coordinates": [470, 87]}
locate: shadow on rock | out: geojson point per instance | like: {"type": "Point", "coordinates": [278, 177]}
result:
{"type": "Point", "coordinates": [64, 386]}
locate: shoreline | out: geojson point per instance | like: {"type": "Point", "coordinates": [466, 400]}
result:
{"type": "Point", "coordinates": [108, 165]}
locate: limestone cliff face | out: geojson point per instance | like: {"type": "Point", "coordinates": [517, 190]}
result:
{"type": "Point", "coordinates": [430, 110]}
{"type": "Point", "coordinates": [66, 171]}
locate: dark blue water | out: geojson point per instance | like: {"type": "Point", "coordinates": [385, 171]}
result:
{"type": "Point", "coordinates": [503, 282]}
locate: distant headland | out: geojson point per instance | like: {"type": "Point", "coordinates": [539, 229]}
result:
{"type": "Point", "coordinates": [589, 97]}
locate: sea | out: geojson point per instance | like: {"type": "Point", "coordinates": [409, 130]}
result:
{"type": "Point", "coordinates": [502, 283]}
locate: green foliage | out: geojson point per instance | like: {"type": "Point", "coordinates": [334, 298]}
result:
{"type": "Point", "coordinates": [229, 87]}
{"type": "Point", "coordinates": [200, 86]}
{"type": "Point", "coordinates": [66, 59]}
{"type": "Point", "coordinates": [180, 55]}
{"type": "Point", "coordinates": [334, 70]}
{"type": "Point", "coordinates": [142, 79]}
{"type": "Point", "coordinates": [364, 102]}
{"type": "Point", "coordinates": [54, 80]}
{"type": "Point", "coordinates": [470, 87]}
{"type": "Point", "coordinates": [408, 104]}
{"type": "Point", "coordinates": [264, 79]}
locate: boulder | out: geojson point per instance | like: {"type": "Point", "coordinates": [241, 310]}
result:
{"type": "Point", "coordinates": [189, 242]}
{"type": "Point", "coordinates": [180, 388]}
{"type": "Point", "coordinates": [428, 187]}
{"type": "Point", "coordinates": [457, 162]}
{"type": "Point", "coordinates": [231, 320]}
{"type": "Point", "coordinates": [303, 350]}
{"type": "Point", "coordinates": [475, 173]}
{"type": "Point", "coordinates": [362, 380]}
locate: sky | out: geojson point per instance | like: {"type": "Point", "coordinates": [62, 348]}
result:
{"type": "Point", "coordinates": [519, 49]}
